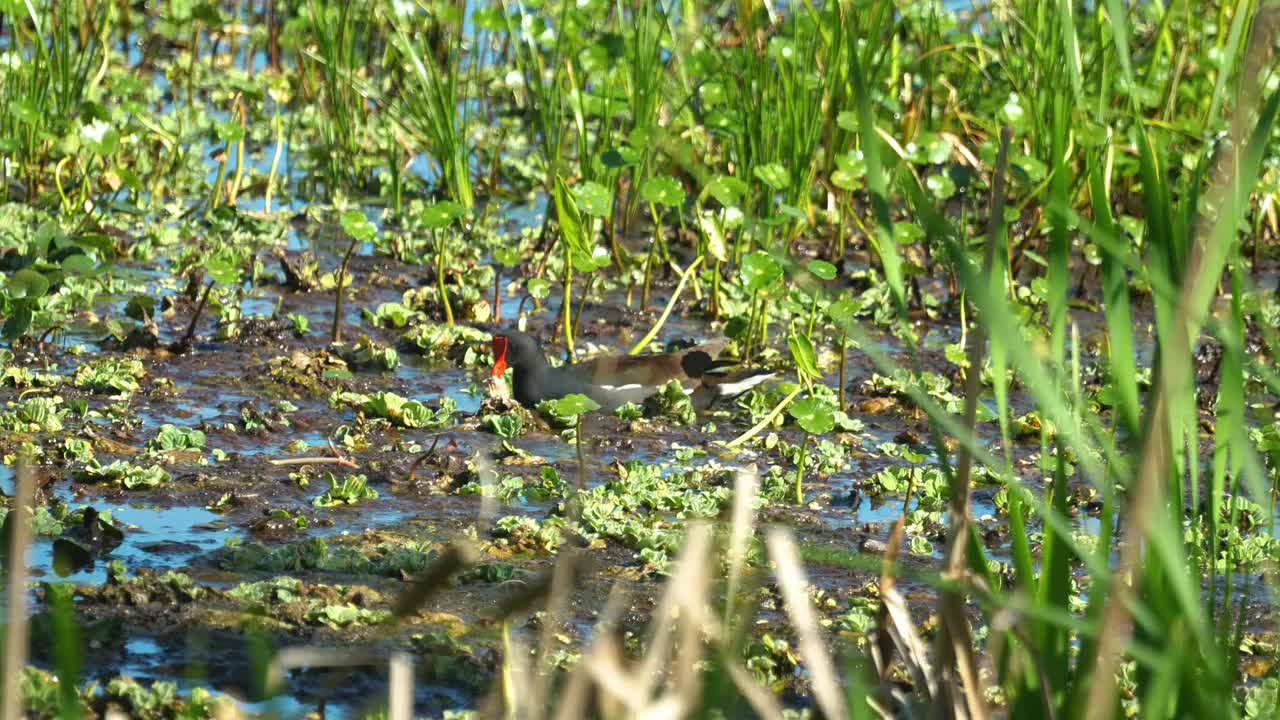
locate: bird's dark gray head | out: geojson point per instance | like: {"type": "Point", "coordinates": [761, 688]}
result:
{"type": "Point", "coordinates": [514, 349]}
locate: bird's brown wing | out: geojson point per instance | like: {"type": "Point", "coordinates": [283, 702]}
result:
{"type": "Point", "coordinates": [651, 369]}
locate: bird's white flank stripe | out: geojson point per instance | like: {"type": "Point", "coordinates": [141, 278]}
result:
{"type": "Point", "coordinates": [743, 385]}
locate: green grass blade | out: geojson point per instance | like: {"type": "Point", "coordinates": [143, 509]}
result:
{"type": "Point", "coordinates": [877, 183]}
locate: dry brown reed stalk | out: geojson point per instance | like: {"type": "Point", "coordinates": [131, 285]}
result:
{"type": "Point", "coordinates": [1005, 621]}
{"type": "Point", "coordinates": [741, 529]}
{"type": "Point", "coordinates": [400, 687]}
{"type": "Point", "coordinates": [895, 630]}
{"type": "Point", "coordinates": [573, 701]}
{"type": "Point", "coordinates": [666, 681]}
{"type": "Point", "coordinates": [557, 603]}
{"type": "Point", "coordinates": [660, 685]}
{"type": "Point", "coordinates": [794, 584]}
{"type": "Point", "coordinates": [399, 675]}
{"type": "Point", "coordinates": [955, 642]}
{"type": "Point", "coordinates": [15, 642]}
{"type": "Point", "coordinates": [763, 702]}
{"type": "Point", "coordinates": [683, 603]}
{"type": "Point", "coordinates": [338, 458]}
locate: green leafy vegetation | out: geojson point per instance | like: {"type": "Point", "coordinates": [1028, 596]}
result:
{"type": "Point", "coordinates": [1012, 264]}
{"type": "Point", "coordinates": [110, 375]}
{"type": "Point", "coordinates": [131, 476]}
{"type": "Point", "coordinates": [350, 490]}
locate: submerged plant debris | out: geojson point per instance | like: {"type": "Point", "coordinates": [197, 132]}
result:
{"type": "Point", "coordinates": [1013, 267]}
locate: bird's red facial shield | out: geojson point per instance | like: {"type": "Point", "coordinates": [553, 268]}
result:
{"type": "Point", "coordinates": [499, 356]}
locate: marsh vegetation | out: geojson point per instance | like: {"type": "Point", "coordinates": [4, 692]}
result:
{"type": "Point", "coordinates": [1014, 264]}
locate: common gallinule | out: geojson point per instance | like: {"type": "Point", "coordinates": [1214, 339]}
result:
{"type": "Point", "coordinates": [617, 379]}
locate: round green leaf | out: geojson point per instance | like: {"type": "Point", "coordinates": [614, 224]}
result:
{"type": "Point", "coordinates": [640, 136]}
{"type": "Point", "coordinates": [593, 198]}
{"type": "Point", "coordinates": [727, 190]}
{"type": "Point", "coordinates": [712, 94]}
{"type": "Point", "coordinates": [842, 311]}
{"type": "Point", "coordinates": [507, 256]}
{"type": "Point", "coordinates": [773, 175]}
{"type": "Point", "coordinates": [224, 270]}
{"type": "Point", "coordinates": [208, 14]}
{"type": "Point", "coordinates": [600, 257]}
{"type": "Point", "coordinates": [489, 18]}
{"type": "Point", "coordinates": [49, 234]}
{"type": "Point", "coordinates": [813, 415]}
{"type": "Point", "coordinates": [1012, 112]}
{"type": "Point", "coordinates": [538, 287]}
{"type": "Point", "coordinates": [1028, 169]}
{"type": "Point", "coordinates": [905, 233]}
{"type": "Point", "coordinates": [229, 131]}
{"type": "Point", "coordinates": [844, 180]}
{"type": "Point", "coordinates": [938, 149]}
{"type": "Point", "coordinates": [441, 214]}
{"type": "Point", "coordinates": [27, 283]}
{"type": "Point", "coordinates": [662, 190]}
{"type": "Point", "coordinates": [98, 244]}
{"type": "Point", "coordinates": [355, 224]}
{"type": "Point", "coordinates": [941, 185]}
{"type": "Point", "coordinates": [850, 169]}
{"type": "Point", "coordinates": [727, 121]}
{"type": "Point", "coordinates": [760, 270]}
{"type": "Point", "coordinates": [821, 269]}
{"type": "Point", "coordinates": [129, 178]}
{"type": "Point", "coordinates": [620, 157]}
{"type": "Point", "coordinates": [140, 308]}
{"type": "Point", "coordinates": [78, 264]}
{"type": "Point", "coordinates": [18, 322]}
{"type": "Point", "coordinates": [575, 404]}
{"type": "Point", "coordinates": [587, 261]}
{"type": "Point", "coordinates": [25, 112]}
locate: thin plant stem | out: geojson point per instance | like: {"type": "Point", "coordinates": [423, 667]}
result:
{"type": "Point", "coordinates": [566, 303]}
{"type": "Point", "coordinates": [275, 160]}
{"type": "Point", "coordinates": [335, 334]}
{"type": "Point", "coordinates": [767, 420]}
{"type": "Point", "coordinates": [800, 465]}
{"type": "Point", "coordinates": [441, 265]}
{"type": "Point", "coordinates": [666, 312]}
{"type": "Point", "coordinates": [844, 358]}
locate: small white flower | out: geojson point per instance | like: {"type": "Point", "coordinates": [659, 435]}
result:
{"type": "Point", "coordinates": [95, 131]}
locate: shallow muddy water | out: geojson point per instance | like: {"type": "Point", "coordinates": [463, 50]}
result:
{"type": "Point", "coordinates": [223, 498]}
{"type": "Point", "coordinates": [264, 488]}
